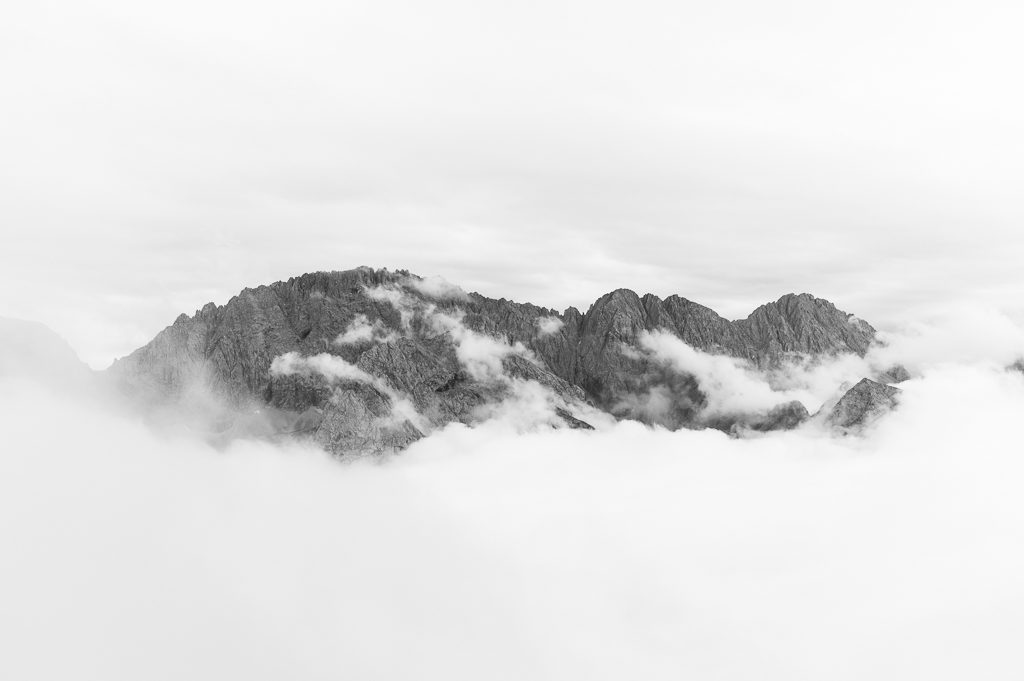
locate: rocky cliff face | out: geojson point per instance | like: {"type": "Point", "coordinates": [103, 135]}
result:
{"type": "Point", "coordinates": [371, 360]}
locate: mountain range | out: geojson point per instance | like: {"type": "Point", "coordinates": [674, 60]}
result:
{"type": "Point", "coordinates": [371, 360]}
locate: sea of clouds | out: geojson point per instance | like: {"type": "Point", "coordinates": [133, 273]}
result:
{"type": "Point", "coordinates": [506, 551]}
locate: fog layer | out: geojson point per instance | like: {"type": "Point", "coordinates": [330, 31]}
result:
{"type": "Point", "coordinates": [496, 553]}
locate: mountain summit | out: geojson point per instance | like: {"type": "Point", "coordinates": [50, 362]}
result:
{"type": "Point", "coordinates": [371, 360]}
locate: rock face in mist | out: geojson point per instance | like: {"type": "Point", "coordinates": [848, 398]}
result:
{"type": "Point", "coordinates": [862, 405]}
{"type": "Point", "coordinates": [894, 374]}
{"type": "Point", "coordinates": [783, 417]}
{"type": "Point", "coordinates": [31, 350]}
{"type": "Point", "coordinates": [411, 355]}
{"type": "Point", "coordinates": [793, 325]}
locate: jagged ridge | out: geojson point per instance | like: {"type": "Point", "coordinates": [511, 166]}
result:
{"type": "Point", "coordinates": [229, 349]}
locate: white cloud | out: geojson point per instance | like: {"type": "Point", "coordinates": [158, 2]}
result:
{"type": "Point", "coordinates": [731, 386]}
{"type": "Point", "coordinates": [361, 330]}
{"type": "Point", "coordinates": [436, 287]}
{"type": "Point", "coordinates": [387, 294]}
{"type": "Point", "coordinates": [324, 364]}
{"type": "Point", "coordinates": [954, 334]}
{"type": "Point", "coordinates": [547, 326]}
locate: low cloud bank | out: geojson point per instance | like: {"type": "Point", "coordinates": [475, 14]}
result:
{"type": "Point", "coordinates": [490, 552]}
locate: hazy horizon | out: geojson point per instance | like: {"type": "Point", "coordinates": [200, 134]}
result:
{"type": "Point", "coordinates": [157, 159]}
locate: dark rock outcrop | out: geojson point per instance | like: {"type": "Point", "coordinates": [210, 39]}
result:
{"type": "Point", "coordinates": [862, 405]}
{"type": "Point", "coordinates": [407, 355]}
{"type": "Point", "coordinates": [785, 416]}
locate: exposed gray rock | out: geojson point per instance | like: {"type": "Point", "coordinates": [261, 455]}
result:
{"type": "Point", "coordinates": [801, 324]}
{"type": "Point", "coordinates": [360, 419]}
{"type": "Point", "coordinates": [862, 405]}
{"type": "Point", "coordinates": [225, 352]}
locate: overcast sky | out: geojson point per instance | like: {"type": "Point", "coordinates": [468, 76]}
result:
{"type": "Point", "coordinates": [156, 157]}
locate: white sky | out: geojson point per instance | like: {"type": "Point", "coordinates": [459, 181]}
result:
{"type": "Point", "coordinates": [154, 158]}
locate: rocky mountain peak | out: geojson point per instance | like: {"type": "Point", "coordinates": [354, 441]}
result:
{"type": "Point", "coordinates": [862, 405]}
{"type": "Point", "coordinates": [803, 323]}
